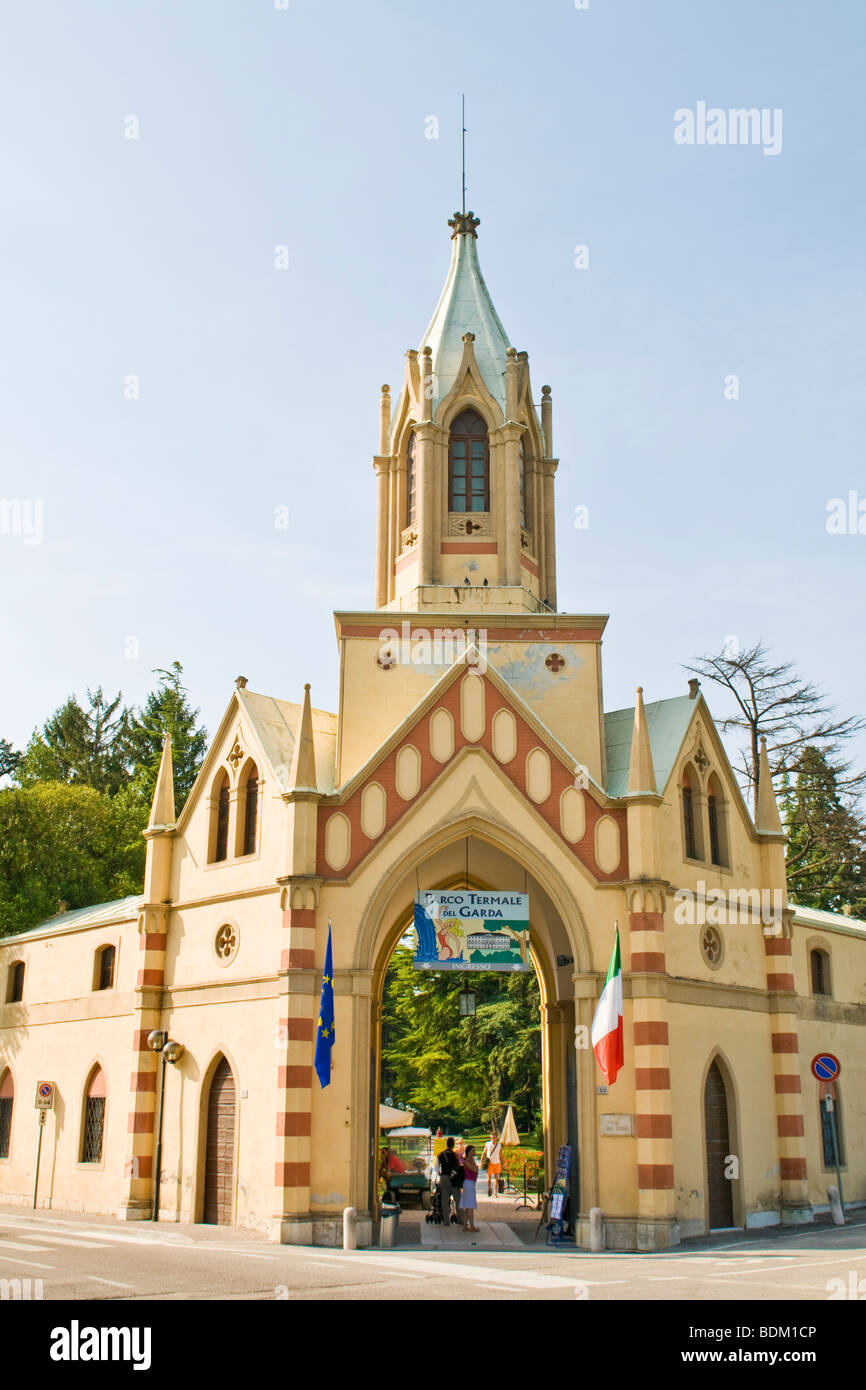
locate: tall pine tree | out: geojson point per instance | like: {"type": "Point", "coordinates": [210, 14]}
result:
{"type": "Point", "coordinates": [167, 710]}
{"type": "Point", "coordinates": [826, 855]}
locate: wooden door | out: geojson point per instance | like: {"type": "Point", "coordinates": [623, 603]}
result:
{"type": "Point", "coordinates": [219, 1173]}
{"type": "Point", "coordinates": [719, 1194]}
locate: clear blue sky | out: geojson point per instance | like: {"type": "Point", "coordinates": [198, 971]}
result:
{"type": "Point", "coordinates": [259, 387]}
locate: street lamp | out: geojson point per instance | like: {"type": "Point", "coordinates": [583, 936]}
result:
{"type": "Point", "coordinates": [159, 1041]}
{"type": "Point", "coordinates": [467, 1002]}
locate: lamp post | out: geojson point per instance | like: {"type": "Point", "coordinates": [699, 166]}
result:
{"type": "Point", "coordinates": [159, 1041]}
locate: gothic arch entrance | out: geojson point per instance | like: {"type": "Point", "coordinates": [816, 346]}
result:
{"type": "Point", "coordinates": [720, 1199]}
{"type": "Point", "coordinates": [219, 1170]}
{"type": "Point", "coordinates": [559, 950]}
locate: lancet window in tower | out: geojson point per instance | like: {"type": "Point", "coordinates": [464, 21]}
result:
{"type": "Point", "coordinates": [468, 465]}
{"type": "Point", "coordinates": [525, 496]}
{"type": "Point", "coordinates": [411, 499]}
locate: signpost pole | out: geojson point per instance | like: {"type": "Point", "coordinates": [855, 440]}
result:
{"type": "Point", "coordinates": [831, 1104]}
{"type": "Point", "coordinates": [38, 1155]}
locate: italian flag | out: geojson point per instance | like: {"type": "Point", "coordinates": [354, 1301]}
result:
{"type": "Point", "coordinates": [607, 1024]}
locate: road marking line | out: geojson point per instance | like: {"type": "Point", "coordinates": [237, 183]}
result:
{"type": "Point", "coordinates": [28, 1264]}
{"type": "Point", "coordinates": [67, 1240]}
{"type": "Point", "coordinates": [665, 1278]}
{"type": "Point", "coordinates": [796, 1266]}
{"type": "Point", "coordinates": [521, 1279]}
{"type": "Point", "coordinates": [113, 1282]}
{"type": "Point", "coordinates": [17, 1245]}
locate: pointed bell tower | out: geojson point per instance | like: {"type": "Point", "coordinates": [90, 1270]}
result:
{"type": "Point", "coordinates": [465, 512]}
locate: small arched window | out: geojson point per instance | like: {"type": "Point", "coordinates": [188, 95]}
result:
{"type": "Point", "coordinates": [468, 464]}
{"type": "Point", "coordinates": [691, 809]}
{"type": "Point", "coordinates": [819, 962]}
{"type": "Point", "coordinates": [251, 810]}
{"type": "Point", "coordinates": [220, 819]}
{"type": "Point", "coordinates": [716, 822]}
{"type": "Point", "coordinates": [104, 972]}
{"type": "Point", "coordinates": [411, 486]}
{"type": "Point", "coordinates": [7, 1097]}
{"type": "Point", "coordinates": [15, 985]}
{"type": "Point", "coordinates": [94, 1117]}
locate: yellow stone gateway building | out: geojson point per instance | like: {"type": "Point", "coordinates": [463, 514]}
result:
{"type": "Point", "coordinates": [470, 732]}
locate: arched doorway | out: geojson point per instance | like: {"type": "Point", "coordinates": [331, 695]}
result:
{"type": "Point", "coordinates": [219, 1173]}
{"type": "Point", "coordinates": [720, 1199]}
{"type": "Point", "coordinates": [487, 858]}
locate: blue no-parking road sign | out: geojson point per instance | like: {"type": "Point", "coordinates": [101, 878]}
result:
{"type": "Point", "coordinates": [826, 1067]}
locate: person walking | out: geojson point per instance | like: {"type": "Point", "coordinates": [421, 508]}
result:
{"type": "Point", "coordinates": [493, 1154]}
{"type": "Point", "coordinates": [468, 1199]}
{"type": "Point", "coordinates": [449, 1179]}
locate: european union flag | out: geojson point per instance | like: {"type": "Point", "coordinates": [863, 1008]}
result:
{"type": "Point", "coordinates": [325, 1026]}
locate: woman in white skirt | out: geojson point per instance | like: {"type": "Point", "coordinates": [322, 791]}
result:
{"type": "Point", "coordinates": [468, 1200]}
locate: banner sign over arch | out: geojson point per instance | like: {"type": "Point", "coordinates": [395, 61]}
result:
{"type": "Point", "coordinates": [466, 930]}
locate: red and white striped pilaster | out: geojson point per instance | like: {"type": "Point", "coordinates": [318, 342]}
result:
{"type": "Point", "coordinates": [784, 1040]}
{"type": "Point", "coordinates": [296, 1044]}
{"type": "Point", "coordinates": [651, 1058]}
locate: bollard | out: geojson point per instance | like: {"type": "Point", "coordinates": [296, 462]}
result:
{"type": "Point", "coordinates": [836, 1209]}
{"type": "Point", "coordinates": [596, 1229]}
{"type": "Point", "coordinates": [350, 1228]}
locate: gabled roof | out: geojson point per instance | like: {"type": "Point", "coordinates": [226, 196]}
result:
{"type": "Point", "coordinates": [667, 723]}
{"type": "Point", "coordinates": [465, 306]}
{"type": "Point", "coordinates": [275, 723]}
{"type": "Point", "coordinates": [100, 915]}
{"type": "Point", "coordinates": [833, 921]}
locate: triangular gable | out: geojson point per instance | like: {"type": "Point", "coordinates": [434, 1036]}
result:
{"type": "Point", "coordinates": [272, 724]}
{"type": "Point", "coordinates": [433, 697]}
{"type": "Point", "coordinates": [670, 724]}
{"type": "Point", "coordinates": [375, 800]}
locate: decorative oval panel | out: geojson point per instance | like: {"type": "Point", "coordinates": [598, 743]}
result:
{"type": "Point", "coordinates": [472, 702]}
{"type": "Point", "coordinates": [374, 805]}
{"type": "Point", "coordinates": [607, 844]}
{"type": "Point", "coordinates": [441, 735]}
{"type": "Point", "coordinates": [408, 775]}
{"type": "Point", "coordinates": [572, 815]}
{"type": "Point", "coordinates": [504, 729]}
{"type": "Point", "coordinates": [538, 775]}
{"type": "Point", "coordinates": [338, 840]}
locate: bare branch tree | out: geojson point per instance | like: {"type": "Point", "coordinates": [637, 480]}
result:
{"type": "Point", "coordinates": [770, 699]}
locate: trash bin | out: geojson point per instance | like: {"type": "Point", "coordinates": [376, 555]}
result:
{"type": "Point", "coordinates": [389, 1221]}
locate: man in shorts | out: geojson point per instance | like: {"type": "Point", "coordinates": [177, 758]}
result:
{"type": "Point", "coordinates": [493, 1155]}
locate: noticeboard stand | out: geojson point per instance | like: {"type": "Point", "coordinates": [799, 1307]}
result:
{"type": "Point", "coordinates": [559, 1224]}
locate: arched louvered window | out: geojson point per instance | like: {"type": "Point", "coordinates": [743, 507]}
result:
{"type": "Point", "coordinates": [94, 1117]}
{"type": "Point", "coordinates": [7, 1098]}
{"type": "Point", "coordinates": [221, 810]}
{"type": "Point", "coordinates": [251, 810]}
{"type": "Point", "coordinates": [15, 985]}
{"type": "Point", "coordinates": [468, 464]}
{"type": "Point", "coordinates": [105, 968]}
{"type": "Point", "coordinates": [411, 485]}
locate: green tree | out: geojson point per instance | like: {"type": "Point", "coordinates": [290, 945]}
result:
{"type": "Point", "coordinates": [69, 845]}
{"type": "Point", "coordinates": [455, 1071]}
{"type": "Point", "coordinates": [167, 710]}
{"type": "Point", "coordinates": [81, 746]}
{"type": "Point", "coordinates": [826, 853]}
{"type": "Point", "coordinates": [9, 758]}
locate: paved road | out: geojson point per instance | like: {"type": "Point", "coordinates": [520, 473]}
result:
{"type": "Point", "coordinates": [92, 1258]}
